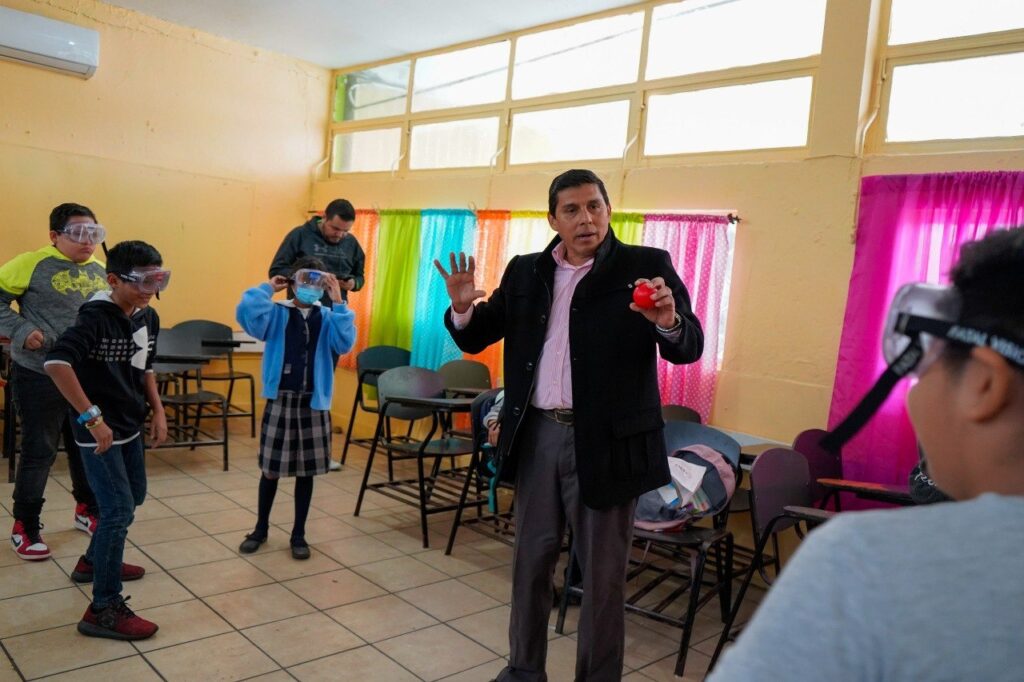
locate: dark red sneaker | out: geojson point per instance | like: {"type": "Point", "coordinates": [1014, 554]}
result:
{"type": "Point", "coordinates": [83, 571]}
{"type": "Point", "coordinates": [117, 621]}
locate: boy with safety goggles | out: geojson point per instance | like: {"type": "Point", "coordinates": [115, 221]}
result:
{"type": "Point", "coordinates": [48, 285]}
{"type": "Point", "coordinates": [931, 592]}
{"type": "Point", "coordinates": [303, 341]}
{"type": "Point", "coordinates": [103, 365]}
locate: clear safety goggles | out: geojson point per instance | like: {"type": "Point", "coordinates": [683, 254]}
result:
{"type": "Point", "coordinates": [148, 281]}
{"type": "Point", "coordinates": [926, 315]}
{"type": "Point", "coordinates": [85, 233]}
{"type": "Point", "coordinates": [311, 278]}
{"type": "Point", "coordinates": [922, 319]}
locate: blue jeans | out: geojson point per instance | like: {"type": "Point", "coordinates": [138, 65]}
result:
{"type": "Point", "coordinates": [118, 479]}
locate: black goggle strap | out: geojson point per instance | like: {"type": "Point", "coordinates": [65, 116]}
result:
{"type": "Point", "coordinates": [869, 404]}
{"type": "Point", "coordinates": [1011, 350]}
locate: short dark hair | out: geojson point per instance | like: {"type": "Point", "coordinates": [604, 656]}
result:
{"type": "Point", "coordinates": [341, 208]}
{"type": "Point", "coordinates": [306, 262]}
{"type": "Point", "coordinates": [60, 215]}
{"type": "Point", "coordinates": [124, 256]}
{"type": "Point", "coordinates": [574, 178]}
{"type": "Point", "coordinates": [990, 280]}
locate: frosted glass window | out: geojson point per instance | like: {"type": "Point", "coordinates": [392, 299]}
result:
{"type": "Point", "coordinates": [454, 144]}
{"type": "Point", "coordinates": [754, 116]}
{"type": "Point", "coordinates": [592, 131]}
{"type": "Point", "coordinates": [476, 75]}
{"type": "Point", "coordinates": [373, 93]}
{"type": "Point", "coordinates": [958, 99]}
{"type": "Point", "coordinates": [913, 21]}
{"type": "Point", "coordinates": [706, 35]}
{"type": "Point", "coordinates": [367, 150]}
{"type": "Point", "coordinates": [592, 54]}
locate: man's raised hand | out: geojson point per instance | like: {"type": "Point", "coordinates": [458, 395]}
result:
{"type": "Point", "coordinates": [459, 282]}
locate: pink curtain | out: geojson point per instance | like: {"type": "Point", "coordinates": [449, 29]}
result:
{"type": "Point", "coordinates": [910, 228]}
{"type": "Point", "coordinates": [699, 247]}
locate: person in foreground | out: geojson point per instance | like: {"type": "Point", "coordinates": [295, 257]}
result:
{"type": "Point", "coordinates": [582, 429]}
{"type": "Point", "coordinates": [303, 342]}
{"type": "Point", "coordinates": [103, 366]}
{"type": "Point", "coordinates": [934, 592]}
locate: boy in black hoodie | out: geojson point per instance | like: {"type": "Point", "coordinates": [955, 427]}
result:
{"type": "Point", "coordinates": [103, 367]}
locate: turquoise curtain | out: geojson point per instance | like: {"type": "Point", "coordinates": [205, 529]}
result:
{"type": "Point", "coordinates": [394, 291]}
{"type": "Point", "coordinates": [441, 232]}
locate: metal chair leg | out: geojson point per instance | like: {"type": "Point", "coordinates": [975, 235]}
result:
{"type": "Point", "coordinates": [369, 464]}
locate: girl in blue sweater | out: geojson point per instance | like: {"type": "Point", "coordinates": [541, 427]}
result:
{"type": "Point", "coordinates": [303, 341]}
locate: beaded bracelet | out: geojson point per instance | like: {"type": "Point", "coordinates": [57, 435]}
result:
{"type": "Point", "coordinates": [94, 423]}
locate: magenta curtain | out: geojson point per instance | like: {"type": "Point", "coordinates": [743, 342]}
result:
{"type": "Point", "coordinates": [699, 248]}
{"type": "Point", "coordinates": [910, 228]}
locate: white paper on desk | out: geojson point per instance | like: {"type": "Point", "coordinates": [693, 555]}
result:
{"type": "Point", "coordinates": [686, 476]}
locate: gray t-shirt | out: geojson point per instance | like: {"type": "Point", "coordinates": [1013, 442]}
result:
{"type": "Point", "coordinates": [931, 593]}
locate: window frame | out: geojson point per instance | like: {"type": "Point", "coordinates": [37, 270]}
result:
{"type": "Point", "coordinates": [636, 92]}
{"type": "Point", "coordinates": [931, 52]}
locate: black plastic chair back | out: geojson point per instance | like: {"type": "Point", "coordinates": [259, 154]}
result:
{"type": "Point", "coordinates": [409, 382]}
{"type": "Point", "coordinates": [680, 413]}
{"type": "Point", "coordinates": [465, 374]}
{"type": "Point", "coordinates": [380, 357]}
{"type": "Point", "coordinates": [779, 478]}
{"type": "Point", "coordinates": [207, 330]}
{"type": "Point", "coordinates": [821, 463]}
{"type": "Point", "coordinates": [174, 341]}
{"type": "Point", "coordinates": [680, 434]}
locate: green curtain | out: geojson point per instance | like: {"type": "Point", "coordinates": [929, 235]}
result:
{"type": "Point", "coordinates": [394, 291]}
{"type": "Point", "coordinates": [629, 227]}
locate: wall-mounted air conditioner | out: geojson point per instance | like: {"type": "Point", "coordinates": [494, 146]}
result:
{"type": "Point", "coordinates": [32, 39]}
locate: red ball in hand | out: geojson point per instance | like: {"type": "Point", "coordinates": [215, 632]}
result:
{"type": "Point", "coordinates": [642, 296]}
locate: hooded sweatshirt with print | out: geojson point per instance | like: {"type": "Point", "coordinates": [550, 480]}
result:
{"type": "Point", "coordinates": [111, 353]}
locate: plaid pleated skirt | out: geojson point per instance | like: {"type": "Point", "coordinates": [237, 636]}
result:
{"type": "Point", "coordinates": [295, 439]}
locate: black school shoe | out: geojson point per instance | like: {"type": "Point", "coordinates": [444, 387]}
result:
{"type": "Point", "coordinates": [251, 543]}
{"type": "Point", "coordinates": [300, 550]}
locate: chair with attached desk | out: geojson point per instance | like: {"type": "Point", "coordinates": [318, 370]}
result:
{"type": "Point", "coordinates": [497, 524]}
{"type": "Point", "coordinates": [180, 356]}
{"type": "Point", "coordinates": [782, 495]}
{"type": "Point", "coordinates": [677, 559]}
{"type": "Point", "coordinates": [412, 393]}
{"type": "Point", "coordinates": [370, 364]}
{"type": "Point", "coordinates": [219, 339]}
{"type": "Point", "coordinates": [827, 480]}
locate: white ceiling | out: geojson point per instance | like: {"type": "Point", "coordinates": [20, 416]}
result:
{"type": "Point", "coordinates": [339, 33]}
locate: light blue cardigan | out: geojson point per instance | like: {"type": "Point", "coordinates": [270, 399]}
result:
{"type": "Point", "coordinates": [266, 320]}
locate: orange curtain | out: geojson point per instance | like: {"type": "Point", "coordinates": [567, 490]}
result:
{"type": "Point", "coordinates": [491, 230]}
{"type": "Point", "coordinates": [365, 230]}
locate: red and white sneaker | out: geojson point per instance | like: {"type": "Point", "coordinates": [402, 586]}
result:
{"type": "Point", "coordinates": [26, 546]}
{"type": "Point", "coordinates": [84, 521]}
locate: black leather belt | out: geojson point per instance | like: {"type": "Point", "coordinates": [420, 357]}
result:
{"type": "Point", "coordinates": [564, 417]}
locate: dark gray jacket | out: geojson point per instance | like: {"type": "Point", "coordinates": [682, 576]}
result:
{"type": "Point", "coordinates": [345, 259]}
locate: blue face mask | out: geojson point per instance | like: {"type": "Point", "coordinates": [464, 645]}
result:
{"type": "Point", "coordinates": [308, 295]}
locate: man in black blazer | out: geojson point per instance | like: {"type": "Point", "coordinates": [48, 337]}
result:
{"type": "Point", "coordinates": [582, 430]}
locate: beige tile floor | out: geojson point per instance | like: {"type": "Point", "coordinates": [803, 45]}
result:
{"type": "Point", "coordinates": [371, 603]}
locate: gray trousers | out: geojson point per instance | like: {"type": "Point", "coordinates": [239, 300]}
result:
{"type": "Point", "coordinates": [547, 494]}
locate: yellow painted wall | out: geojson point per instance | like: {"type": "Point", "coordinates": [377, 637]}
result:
{"type": "Point", "coordinates": [199, 145]}
{"type": "Point", "coordinates": [794, 249]}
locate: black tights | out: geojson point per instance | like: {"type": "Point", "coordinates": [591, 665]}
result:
{"type": "Point", "coordinates": [303, 497]}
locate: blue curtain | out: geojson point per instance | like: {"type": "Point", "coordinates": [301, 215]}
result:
{"type": "Point", "coordinates": [442, 231]}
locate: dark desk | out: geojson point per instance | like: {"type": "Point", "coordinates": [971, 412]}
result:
{"type": "Point", "coordinates": [879, 492]}
{"type": "Point", "coordinates": [467, 391]}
